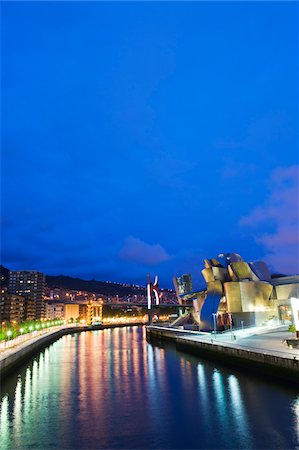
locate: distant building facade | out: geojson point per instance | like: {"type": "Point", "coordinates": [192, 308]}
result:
{"type": "Point", "coordinates": [71, 311]}
{"type": "Point", "coordinates": [29, 309]}
{"type": "Point", "coordinates": [55, 310]}
{"type": "Point", "coordinates": [182, 285]}
{"type": "Point", "coordinates": [30, 285]}
{"type": "Point", "coordinates": [11, 307]}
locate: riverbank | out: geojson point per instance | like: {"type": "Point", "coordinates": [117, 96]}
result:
{"type": "Point", "coordinates": [264, 353]}
{"type": "Point", "coordinates": [75, 393]}
{"type": "Point", "coordinates": [12, 358]}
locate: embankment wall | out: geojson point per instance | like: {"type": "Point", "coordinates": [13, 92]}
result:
{"type": "Point", "coordinates": [16, 357]}
{"type": "Point", "coordinates": [260, 363]}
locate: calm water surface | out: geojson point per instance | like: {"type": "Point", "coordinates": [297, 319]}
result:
{"type": "Point", "coordinates": [111, 389]}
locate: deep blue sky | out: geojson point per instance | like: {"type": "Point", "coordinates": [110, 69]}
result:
{"type": "Point", "coordinates": [144, 137]}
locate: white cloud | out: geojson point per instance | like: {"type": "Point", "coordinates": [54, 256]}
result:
{"type": "Point", "coordinates": [140, 252]}
{"type": "Point", "coordinates": [280, 212]}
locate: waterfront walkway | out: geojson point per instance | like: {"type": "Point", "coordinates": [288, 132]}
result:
{"type": "Point", "coordinates": [13, 346]}
{"type": "Point", "coordinates": [265, 340]}
{"type": "Point", "coordinates": [270, 343]}
{"type": "Point", "coordinates": [263, 351]}
{"type": "Point", "coordinates": [17, 350]}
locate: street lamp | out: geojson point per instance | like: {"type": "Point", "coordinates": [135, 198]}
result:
{"type": "Point", "coordinates": [214, 322]}
{"type": "Point", "coordinates": [231, 325]}
{"type": "Point", "coordinates": [9, 333]}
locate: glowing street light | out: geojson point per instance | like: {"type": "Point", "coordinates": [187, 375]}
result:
{"type": "Point", "coordinates": [214, 322]}
{"type": "Point", "coordinates": [231, 325]}
{"type": "Point", "coordinates": [9, 333]}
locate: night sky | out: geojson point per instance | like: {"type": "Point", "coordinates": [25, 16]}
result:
{"type": "Point", "coordinates": [144, 137]}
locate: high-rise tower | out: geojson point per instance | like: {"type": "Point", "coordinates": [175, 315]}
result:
{"type": "Point", "coordinates": [31, 286]}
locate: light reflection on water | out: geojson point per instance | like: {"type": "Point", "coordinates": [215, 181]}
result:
{"type": "Point", "coordinates": [239, 417]}
{"type": "Point", "coordinates": [17, 411]}
{"type": "Point", "coordinates": [203, 398]}
{"type": "Point", "coordinates": [296, 413]}
{"type": "Point", "coordinates": [221, 405]}
{"type": "Point", "coordinates": [4, 422]}
{"type": "Point", "coordinates": [111, 389]}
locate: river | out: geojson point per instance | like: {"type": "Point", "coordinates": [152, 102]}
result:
{"type": "Point", "coordinates": [110, 389]}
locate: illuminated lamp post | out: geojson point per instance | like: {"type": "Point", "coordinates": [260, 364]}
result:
{"type": "Point", "coordinates": [8, 333]}
{"type": "Point", "coordinates": [21, 331]}
{"type": "Point", "coordinates": [214, 322]}
{"type": "Point", "coordinates": [231, 325]}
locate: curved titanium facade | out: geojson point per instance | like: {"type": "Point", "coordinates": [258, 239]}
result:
{"type": "Point", "coordinates": [247, 296]}
{"type": "Point", "coordinates": [245, 290]}
{"type": "Point", "coordinates": [260, 269]}
{"type": "Point", "coordinates": [211, 305]}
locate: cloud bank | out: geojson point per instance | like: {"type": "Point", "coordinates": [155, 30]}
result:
{"type": "Point", "coordinates": [280, 213]}
{"type": "Point", "coordinates": [140, 252]}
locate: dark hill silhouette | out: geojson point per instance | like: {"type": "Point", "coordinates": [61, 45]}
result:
{"type": "Point", "coordinates": [98, 287]}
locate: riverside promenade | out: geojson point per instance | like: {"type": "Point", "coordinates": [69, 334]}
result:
{"type": "Point", "coordinates": [18, 350]}
{"type": "Point", "coordinates": [260, 350]}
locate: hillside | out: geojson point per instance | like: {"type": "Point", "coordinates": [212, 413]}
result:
{"type": "Point", "coordinates": [98, 287]}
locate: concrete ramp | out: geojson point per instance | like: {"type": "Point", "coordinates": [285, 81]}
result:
{"type": "Point", "coordinates": [180, 321]}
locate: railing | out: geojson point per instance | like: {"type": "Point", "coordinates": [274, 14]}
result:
{"type": "Point", "coordinates": [22, 338]}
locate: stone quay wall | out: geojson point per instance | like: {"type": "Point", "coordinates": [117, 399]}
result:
{"type": "Point", "coordinates": [259, 363]}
